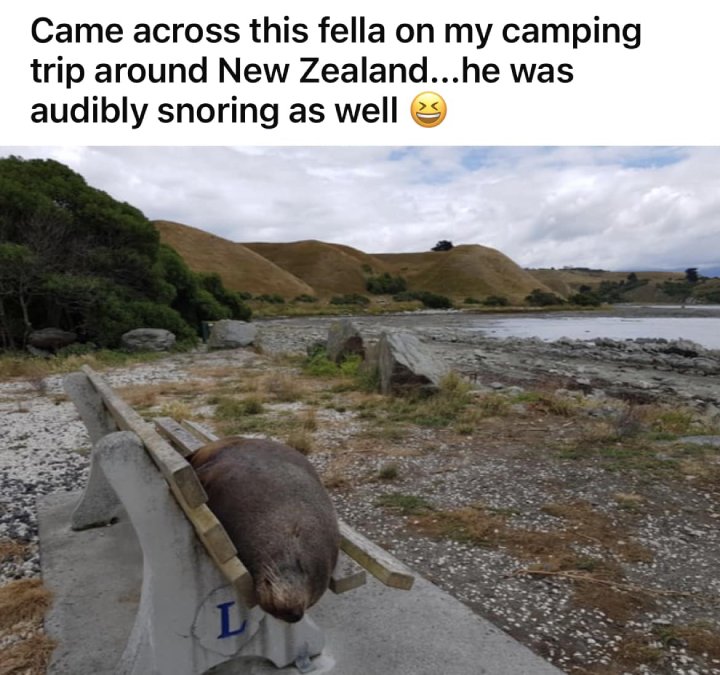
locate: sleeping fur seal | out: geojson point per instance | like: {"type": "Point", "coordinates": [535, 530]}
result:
{"type": "Point", "coordinates": [279, 516]}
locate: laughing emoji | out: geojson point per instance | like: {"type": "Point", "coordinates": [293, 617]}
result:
{"type": "Point", "coordinates": [428, 109]}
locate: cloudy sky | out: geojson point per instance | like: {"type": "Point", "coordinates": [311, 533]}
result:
{"type": "Point", "coordinates": [615, 208]}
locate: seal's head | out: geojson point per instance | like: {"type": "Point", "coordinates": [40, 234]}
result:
{"type": "Point", "coordinates": [283, 593]}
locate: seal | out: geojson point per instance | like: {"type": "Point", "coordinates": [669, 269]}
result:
{"type": "Point", "coordinates": [279, 516]}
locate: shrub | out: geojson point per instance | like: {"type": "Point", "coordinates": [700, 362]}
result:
{"type": "Point", "coordinates": [539, 298]}
{"type": "Point", "coordinates": [471, 301]}
{"type": "Point", "coordinates": [272, 298]}
{"type": "Point", "coordinates": [350, 299]}
{"type": "Point", "coordinates": [496, 301]}
{"type": "Point", "coordinates": [428, 299]}
{"type": "Point", "coordinates": [385, 284]}
{"type": "Point", "coordinates": [434, 301]}
{"type": "Point", "coordinates": [585, 299]}
{"type": "Point", "coordinates": [405, 296]}
{"type": "Point", "coordinates": [304, 297]}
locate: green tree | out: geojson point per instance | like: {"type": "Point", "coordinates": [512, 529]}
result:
{"type": "Point", "coordinates": [73, 257]}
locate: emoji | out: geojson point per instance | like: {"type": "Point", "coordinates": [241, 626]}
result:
{"type": "Point", "coordinates": [428, 109]}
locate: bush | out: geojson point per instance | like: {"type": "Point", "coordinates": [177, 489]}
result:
{"type": "Point", "coordinates": [585, 299]}
{"type": "Point", "coordinates": [385, 284]}
{"type": "Point", "coordinates": [434, 301]}
{"type": "Point", "coordinates": [304, 297]}
{"type": "Point", "coordinates": [272, 298]}
{"type": "Point", "coordinates": [350, 299]}
{"type": "Point", "coordinates": [496, 301]}
{"type": "Point", "coordinates": [540, 298]}
{"type": "Point", "coordinates": [443, 245]}
{"type": "Point", "coordinates": [471, 301]}
{"type": "Point", "coordinates": [405, 296]}
{"type": "Point", "coordinates": [428, 299]}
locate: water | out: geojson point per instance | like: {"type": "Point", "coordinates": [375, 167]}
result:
{"type": "Point", "coordinates": [703, 330]}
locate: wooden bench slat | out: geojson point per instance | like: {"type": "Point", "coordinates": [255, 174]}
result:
{"type": "Point", "coordinates": [347, 575]}
{"type": "Point", "coordinates": [178, 473]}
{"type": "Point", "coordinates": [375, 560]}
{"type": "Point", "coordinates": [203, 434]}
{"type": "Point", "coordinates": [178, 436]}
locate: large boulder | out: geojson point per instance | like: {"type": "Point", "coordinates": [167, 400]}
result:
{"type": "Point", "coordinates": [148, 340]}
{"type": "Point", "coordinates": [51, 339]}
{"type": "Point", "coordinates": [344, 340]}
{"type": "Point", "coordinates": [230, 334]}
{"type": "Point", "coordinates": [406, 365]}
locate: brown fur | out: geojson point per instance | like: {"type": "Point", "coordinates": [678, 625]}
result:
{"type": "Point", "coordinates": [279, 516]}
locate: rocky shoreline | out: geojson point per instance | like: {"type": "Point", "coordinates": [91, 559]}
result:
{"type": "Point", "coordinates": [641, 370]}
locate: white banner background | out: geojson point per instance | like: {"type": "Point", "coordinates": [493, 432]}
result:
{"type": "Point", "coordinates": [662, 93]}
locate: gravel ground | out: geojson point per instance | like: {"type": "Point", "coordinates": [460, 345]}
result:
{"type": "Point", "coordinates": [504, 466]}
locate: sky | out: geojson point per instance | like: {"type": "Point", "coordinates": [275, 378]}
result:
{"type": "Point", "coordinates": [616, 208]}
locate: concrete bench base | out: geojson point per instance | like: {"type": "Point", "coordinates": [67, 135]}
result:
{"type": "Point", "coordinates": [96, 576]}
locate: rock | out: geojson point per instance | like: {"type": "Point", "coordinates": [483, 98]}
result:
{"type": "Point", "coordinates": [148, 340]}
{"type": "Point", "coordinates": [344, 340]}
{"type": "Point", "coordinates": [706, 366]}
{"type": "Point", "coordinates": [51, 339]}
{"type": "Point", "coordinates": [229, 334]}
{"type": "Point", "coordinates": [40, 353]}
{"type": "Point", "coordinates": [369, 366]}
{"type": "Point", "coordinates": [701, 440]}
{"type": "Point", "coordinates": [406, 365]}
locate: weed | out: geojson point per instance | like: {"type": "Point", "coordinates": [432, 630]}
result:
{"type": "Point", "coordinates": [177, 410]}
{"type": "Point", "coordinates": [407, 505]}
{"type": "Point", "coordinates": [629, 501]}
{"type": "Point", "coordinates": [319, 365]}
{"type": "Point", "coordinates": [283, 386]}
{"type": "Point", "coordinates": [11, 550]}
{"type": "Point", "coordinates": [493, 405]}
{"type": "Point", "coordinates": [309, 420]}
{"type": "Point", "coordinates": [388, 472]}
{"type": "Point", "coordinates": [252, 405]}
{"type": "Point", "coordinates": [301, 440]}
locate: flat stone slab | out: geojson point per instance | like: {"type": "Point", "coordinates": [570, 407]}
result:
{"type": "Point", "coordinates": [96, 576]}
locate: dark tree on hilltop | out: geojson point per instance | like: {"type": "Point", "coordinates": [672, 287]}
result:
{"type": "Point", "coordinates": [443, 245]}
{"type": "Point", "coordinates": [632, 277]}
{"type": "Point", "coordinates": [73, 257]}
{"type": "Point", "coordinates": [691, 275]}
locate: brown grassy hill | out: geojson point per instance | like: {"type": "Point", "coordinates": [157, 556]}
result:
{"type": "Point", "coordinates": [466, 270]}
{"type": "Point", "coordinates": [572, 279]}
{"type": "Point", "coordinates": [240, 268]}
{"type": "Point", "coordinates": [331, 269]}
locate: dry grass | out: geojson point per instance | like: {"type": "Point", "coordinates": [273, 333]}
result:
{"type": "Point", "coordinates": [151, 395]}
{"type": "Point", "coordinates": [284, 386]}
{"type": "Point", "coordinates": [27, 657]}
{"type": "Point", "coordinates": [336, 475]}
{"type": "Point", "coordinates": [555, 551]}
{"type": "Point", "coordinates": [301, 440]}
{"type": "Point", "coordinates": [11, 550]}
{"type": "Point", "coordinates": [19, 365]}
{"type": "Point", "coordinates": [178, 410]}
{"type": "Point", "coordinates": [23, 600]}
{"type": "Point", "coordinates": [309, 420]}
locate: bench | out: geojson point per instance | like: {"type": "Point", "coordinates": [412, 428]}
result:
{"type": "Point", "coordinates": [197, 606]}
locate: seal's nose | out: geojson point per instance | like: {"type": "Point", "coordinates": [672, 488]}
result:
{"type": "Point", "coordinates": [290, 616]}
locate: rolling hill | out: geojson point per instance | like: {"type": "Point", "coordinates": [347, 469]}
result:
{"type": "Point", "coordinates": [331, 269]}
{"type": "Point", "coordinates": [568, 281]}
{"type": "Point", "coordinates": [240, 268]}
{"type": "Point", "coordinates": [466, 270]}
